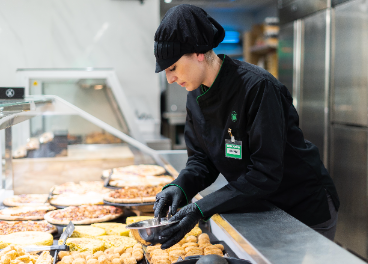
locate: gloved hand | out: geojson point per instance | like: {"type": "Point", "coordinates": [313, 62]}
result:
{"type": "Point", "coordinates": [170, 196]}
{"type": "Point", "coordinates": [188, 216]}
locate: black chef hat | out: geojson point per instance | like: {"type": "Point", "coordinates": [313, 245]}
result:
{"type": "Point", "coordinates": [185, 29]}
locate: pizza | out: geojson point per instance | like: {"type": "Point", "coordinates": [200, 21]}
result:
{"type": "Point", "coordinates": [136, 169]}
{"type": "Point", "coordinates": [142, 181]}
{"type": "Point", "coordinates": [26, 200]}
{"type": "Point", "coordinates": [25, 212]}
{"type": "Point", "coordinates": [27, 238]}
{"type": "Point", "coordinates": [7, 227]}
{"type": "Point", "coordinates": [82, 215]}
{"type": "Point", "coordinates": [139, 194]}
{"type": "Point", "coordinates": [81, 187]}
{"type": "Point", "coordinates": [75, 199]}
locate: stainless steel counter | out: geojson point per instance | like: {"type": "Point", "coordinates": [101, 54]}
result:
{"type": "Point", "coordinates": [273, 236]}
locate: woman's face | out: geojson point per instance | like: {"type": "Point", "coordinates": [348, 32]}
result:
{"type": "Point", "coordinates": [188, 71]}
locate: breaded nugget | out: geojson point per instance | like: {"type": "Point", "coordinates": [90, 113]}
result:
{"type": "Point", "coordinates": [68, 259]}
{"type": "Point", "coordinates": [119, 250]}
{"type": "Point", "coordinates": [219, 246]}
{"type": "Point", "coordinates": [138, 250]}
{"type": "Point", "coordinates": [129, 250]}
{"type": "Point", "coordinates": [215, 251]}
{"type": "Point", "coordinates": [187, 249]}
{"type": "Point", "coordinates": [190, 244]}
{"type": "Point", "coordinates": [137, 246]}
{"type": "Point", "coordinates": [130, 260]}
{"type": "Point", "coordinates": [62, 254]}
{"type": "Point", "coordinates": [116, 261]}
{"type": "Point", "coordinates": [203, 235]}
{"type": "Point", "coordinates": [192, 254]}
{"type": "Point", "coordinates": [174, 247]}
{"type": "Point", "coordinates": [110, 251]}
{"type": "Point", "coordinates": [152, 248]}
{"type": "Point", "coordinates": [203, 246]}
{"type": "Point", "coordinates": [79, 261]}
{"type": "Point", "coordinates": [158, 257]}
{"type": "Point", "coordinates": [98, 253]}
{"type": "Point", "coordinates": [92, 261]}
{"type": "Point", "coordinates": [162, 261]}
{"type": "Point", "coordinates": [113, 256]}
{"type": "Point", "coordinates": [191, 239]}
{"type": "Point", "coordinates": [195, 251]}
{"type": "Point", "coordinates": [125, 255]}
{"type": "Point", "coordinates": [137, 255]}
{"type": "Point", "coordinates": [103, 260]}
{"type": "Point", "coordinates": [157, 251]}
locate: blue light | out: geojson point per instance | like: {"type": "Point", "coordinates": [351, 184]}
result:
{"type": "Point", "coordinates": [231, 37]}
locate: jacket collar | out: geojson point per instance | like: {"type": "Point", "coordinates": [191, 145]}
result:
{"type": "Point", "coordinates": [205, 97]}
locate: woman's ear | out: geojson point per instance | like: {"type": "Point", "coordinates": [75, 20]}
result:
{"type": "Point", "coordinates": [200, 57]}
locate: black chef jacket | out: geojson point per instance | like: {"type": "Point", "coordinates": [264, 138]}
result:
{"type": "Point", "coordinates": [277, 165]}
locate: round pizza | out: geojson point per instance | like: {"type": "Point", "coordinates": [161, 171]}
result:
{"type": "Point", "coordinates": [138, 194]}
{"type": "Point", "coordinates": [9, 227]}
{"type": "Point", "coordinates": [81, 187]}
{"type": "Point", "coordinates": [75, 199]}
{"type": "Point", "coordinates": [25, 212]}
{"type": "Point", "coordinates": [142, 181]}
{"type": "Point", "coordinates": [26, 200]}
{"type": "Point", "coordinates": [141, 169]}
{"type": "Point", "coordinates": [83, 215]}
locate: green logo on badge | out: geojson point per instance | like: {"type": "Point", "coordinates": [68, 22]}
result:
{"type": "Point", "coordinates": [233, 116]}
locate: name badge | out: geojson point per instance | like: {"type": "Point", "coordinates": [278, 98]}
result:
{"type": "Point", "coordinates": [233, 148]}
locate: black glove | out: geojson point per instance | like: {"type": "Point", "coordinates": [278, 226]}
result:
{"type": "Point", "coordinates": [170, 196]}
{"type": "Point", "coordinates": [188, 217]}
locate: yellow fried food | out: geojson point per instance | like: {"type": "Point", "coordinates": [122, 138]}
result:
{"type": "Point", "coordinates": [213, 251]}
{"type": "Point", "coordinates": [191, 239]}
{"type": "Point", "coordinates": [113, 256]}
{"type": "Point", "coordinates": [137, 255]}
{"type": "Point", "coordinates": [216, 246]}
{"type": "Point", "coordinates": [116, 261]}
{"type": "Point", "coordinates": [103, 260]}
{"type": "Point", "coordinates": [92, 261]}
{"type": "Point", "coordinates": [203, 236]}
{"type": "Point", "coordinates": [119, 250]}
{"type": "Point", "coordinates": [137, 246]}
{"type": "Point", "coordinates": [79, 261]}
{"type": "Point", "coordinates": [190, 244]}
{"type": "Point", "coordinates": [62, 254]}
{"type": "Point", "coordinates": [162, 261]}
{"type": "Point", "coordinates": [129, 250]}
{"type": "Point", "coordinates": [196, 231]}
{"type": "Point", "coordinates": [68, 259]}
{"type": "Point", "coordinates": [151, 248]}
{"type": "Point", "coordinates": [205, 245]}
{"type": "Point", "coordinates": [195, 251]}
{"type": "Point", "coordinates": [130, 260]}
{"type": "Point", "coordinates": [125, 255]}
{"type": "Point", "coordinates": [97, 254]}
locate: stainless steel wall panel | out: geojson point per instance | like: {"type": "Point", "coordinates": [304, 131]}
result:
{"type": "Point", "coordinates": [349, 172]}
{"type": "Point", "coordinates": [313, 86]}
{"type": "Point", "coordinates": [337, 2]}
{"type": "Point", "coordinates": [350, 64]}
{"type": "Point", "coordinates": [297, 9]}
{"type": "Point", "coordinates": [286, 55]}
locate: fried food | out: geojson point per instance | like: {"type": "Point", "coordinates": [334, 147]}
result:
{"type": "Point", "coordinates": [44, 258]}
{"type": "Point", "coordinates": [116, 261]}
{"type": "Point", "coordinates": [152, 248]}
{"type": "Point", "coordinates": [62, 254]}
{"type": "Point", "coordinates": [92, 261]}
{"type": "Point", "coordinates": [137, 255]}
{"type": "Point", "coordinates": [130, 260]}
{"type": "Point", "coordinates": [190, 244]}
{"type": "Point", "coordinates": [213, 251]}
{"type": "Point", "coordinates": [191, 239]}
{"type": "Point", "coordinates": [203, 236]}
{"type": "Point", "coordinates": [79, 261]}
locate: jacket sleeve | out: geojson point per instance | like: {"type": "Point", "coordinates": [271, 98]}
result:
{"type": "Point", "coordinates": [266, 129]}
{"type": "Point", "coordinates": [199, 172]}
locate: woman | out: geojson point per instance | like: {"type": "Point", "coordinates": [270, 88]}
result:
{"type": "Point", "coordinates": [240, 123]}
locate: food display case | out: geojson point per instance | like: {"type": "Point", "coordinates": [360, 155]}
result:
{"type": "Point", "coordinates": [53, 157]}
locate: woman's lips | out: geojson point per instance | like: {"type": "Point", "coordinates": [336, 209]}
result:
{"type": "Point", "coordinates": [182, 84]}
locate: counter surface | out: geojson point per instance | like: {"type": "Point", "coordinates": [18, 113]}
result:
{"type": "Point", "coordinates": [280, 238]}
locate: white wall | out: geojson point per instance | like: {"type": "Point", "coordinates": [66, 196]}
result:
{"type": "Point", "coordinates": [83, 33]}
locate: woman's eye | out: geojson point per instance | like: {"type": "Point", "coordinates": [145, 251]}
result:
{"type": "Point", "coordinates": [173, 69]}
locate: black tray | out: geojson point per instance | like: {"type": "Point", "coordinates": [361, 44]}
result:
{"type": "Point", "coordinates": [128, 204]}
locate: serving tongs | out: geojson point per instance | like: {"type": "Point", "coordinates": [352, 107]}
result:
{"type": "Point", "coordinates": [107, 180]}
{"type": "Point", "coordinates": [50, 195]}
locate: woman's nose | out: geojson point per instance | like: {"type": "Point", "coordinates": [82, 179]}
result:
{"type": "Point", "coordinates": [171, 78]}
